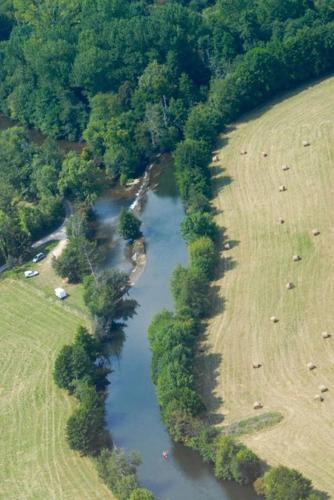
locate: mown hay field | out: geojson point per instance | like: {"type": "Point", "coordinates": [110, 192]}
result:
{"type": "Point", "coordinates": [35, 461]}
{"type": "Point", "coordinates": [252, 287]}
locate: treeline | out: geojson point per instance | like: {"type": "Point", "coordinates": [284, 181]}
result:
{"type": "Point", "coordinates": [82, 370]}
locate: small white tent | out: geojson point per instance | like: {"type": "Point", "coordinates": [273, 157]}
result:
{"type": "Point", "coordinates": [60, 293]}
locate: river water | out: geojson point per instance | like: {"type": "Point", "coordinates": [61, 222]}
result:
{"type": "Point", "coordinates": [133, 416]}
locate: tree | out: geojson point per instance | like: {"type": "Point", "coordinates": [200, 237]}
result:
{"type": "Point", "coordinates": [78, 260]}
{"type": "Point", "coordinates": [246, 466]}
{"type": "Point", "coordinates": [119, 471]}
{"type": "Point", "coordinates": [197, 224]}
{"type": "Point", "coordinates": [203, 256]}
{"type": "Point", "coordinates": [104, 297]}
{"type": "Point", "coordinates": [202, 124]}
{"type": "Point", "coordinates": [191, 292]}
{"type": "Point", "coordinates": [79, 179]}
{"type": "Point", "coordinates": [281, 483]}
{"type": "Point", "coordinates": [129, 225]}
{"type": "Point", "coordinates": [85, 429]}
{"type": "Point", "coordinates": [63, 371]}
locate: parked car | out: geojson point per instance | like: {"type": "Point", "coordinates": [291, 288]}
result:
{"type": "Point", "coordinates": [38, 257]}
{"type": "Point", "coordinates": [30, 274]}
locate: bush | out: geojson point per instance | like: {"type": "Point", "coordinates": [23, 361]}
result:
{"type": "Point", "coordinates": [129, 225]}
{"type": "Point", "coordinates": [281, 483]}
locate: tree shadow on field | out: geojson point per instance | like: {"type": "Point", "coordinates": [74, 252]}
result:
{"type": "Point", "coordinates": [208, 369]}
{"type": "Point", "coordinates": [219, 179]}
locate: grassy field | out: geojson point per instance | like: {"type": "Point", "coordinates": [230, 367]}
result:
{"type": "Point", "coordinates": [252, 287]}
{"type": "Point", "coordinates": [35, 461]}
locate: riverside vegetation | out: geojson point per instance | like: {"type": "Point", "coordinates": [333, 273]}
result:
{"type": "Point", "coordinates": [154, 77]}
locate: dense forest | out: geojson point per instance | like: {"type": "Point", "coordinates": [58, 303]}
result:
{"type": "Point", "coordinates": [133, 78]}
{"type": "Point", "coordinates": [130, 79]}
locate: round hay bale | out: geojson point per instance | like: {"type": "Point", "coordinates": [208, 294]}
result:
{"type": "Point", "coordinates": [257, 405]}
{"type": "Point", "coordinates": [227, 246]}
{"type": "Point", "coordinates": [290, 285]}
{"type": "Point", "coordinates": [256, 365]}
{"type": "Point", "coordinates": [264, 154]}
{"type": "Point", "coordinates": [318, 397]}
{"type": "Point", "coordinates": [311, 365]}
{"type": "Point", "coordinates": [280, 221]}
{"type": "Point", "coordinates": [282, 188]}
{"type": "Point", "coordinates": [274, 319]}
{"type": "Point", "coordinates": [306, 143]}
{"type": "Point", "coordinates": [315, 232]}
{"type": "Point", "coordinates": [323, 388]}
{"type": "Point", "coordinates": [325, 335]}
{"type": "Point", "coordinates": [243, 152]}
{"type": "Point", "coordinates": [296, 258]}
{"type": "Point", "coordinates": [285, 167]}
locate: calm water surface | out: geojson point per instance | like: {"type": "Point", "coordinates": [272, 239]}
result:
{"type": "Point", "coordinates": [133, 415]}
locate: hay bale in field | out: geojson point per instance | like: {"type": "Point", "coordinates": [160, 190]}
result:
{"type": "Point", "coordinates": [282, 188]}
{"type": "Point", "coordinates": [306, 143]}
{"type": "Point", "coordinates": [325, 335]}
{"type": "Point", "coordinates": [296, 258]}
{"type": "Point", "coordinates": [311, 365]}
{"type": "Point", "coordinates": [257, 405]}
{"type": "Point", "coordinates": [285, 167]}
{"type": "Point", "coordinates": [243, 152]}
{"type": "Point", "coordinates": [256, 365]}
{"type": "Point", "coordinates": [227, 246]}
{"type": "Point", "coordinates": [290, 285]}
{"type": "Point", "coordinates": [318, 397]}
{"type": "Point", "coordinates": [323, 388]}
{"type": "Point", "coordinates": [264, 154]}
{"type": "Point", "coordinates": [274, 319]}
{"type": "Point", "coordinates": [280, 221]}
{"type": "Point", "coordinates": [215, 158]}
{"type": "Point", "coordinates": [315, 232]}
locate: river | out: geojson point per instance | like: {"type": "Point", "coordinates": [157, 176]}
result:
{"type": "Point", "coordinates": [133, 416]}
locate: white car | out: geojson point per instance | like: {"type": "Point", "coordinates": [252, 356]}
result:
{"type": "Point", "coordinates": [30, 274]}
{"type": "Point", "coordinates": [38, 257]}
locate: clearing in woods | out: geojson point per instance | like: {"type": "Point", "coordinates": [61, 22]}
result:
{"type": "Point", "coordinates": [35, 461]}
{"type": "Point", "coordinates": [257, 269]}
